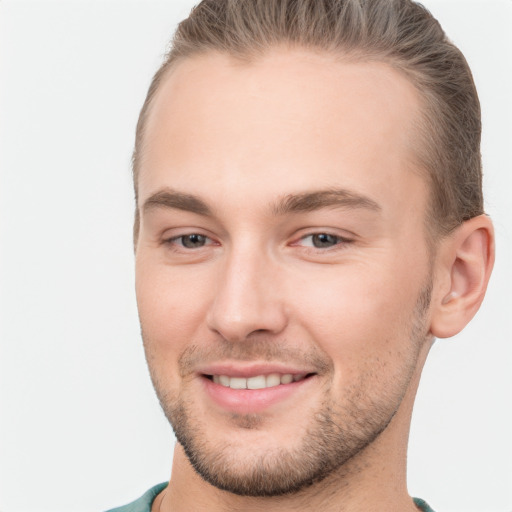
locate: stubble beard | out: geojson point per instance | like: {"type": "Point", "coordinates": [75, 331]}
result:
{"type": "Point", "coordinates": [335, 434]}
{"type": "Point", "coordinates": [326, 446]}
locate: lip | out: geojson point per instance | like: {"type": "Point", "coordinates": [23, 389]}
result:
{"type": "Point", "coordinates": [252, 369]}
{"type": "Point", "coordinates": [252, 401]}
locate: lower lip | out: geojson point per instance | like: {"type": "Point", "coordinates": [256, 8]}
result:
{"type": "Point", "coordinates": [250, 401]}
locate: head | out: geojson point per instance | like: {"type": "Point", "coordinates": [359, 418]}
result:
{"type": "Point", "coordinates": [308, 219]}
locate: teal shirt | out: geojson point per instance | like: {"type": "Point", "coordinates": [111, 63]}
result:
{"type": "Point", "coordinates": [143, 504]}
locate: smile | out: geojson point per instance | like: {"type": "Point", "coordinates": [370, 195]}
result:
{"type": "Point", "coordinates": [257, 382]}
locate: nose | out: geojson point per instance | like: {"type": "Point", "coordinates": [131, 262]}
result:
{"type": "Point", "coordinates": [248, 297]}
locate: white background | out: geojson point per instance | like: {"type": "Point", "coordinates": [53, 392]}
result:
{"type": "Point", "coordinates": [80, 428]}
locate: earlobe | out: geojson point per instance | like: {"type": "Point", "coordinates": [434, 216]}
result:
{"type": "Point", "coordinates": [464, 266]}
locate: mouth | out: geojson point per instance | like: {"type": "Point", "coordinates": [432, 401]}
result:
{"type": "Point", "coordinates": [256, 390]}
{"type": "Point", "coordinates": [258, 381]}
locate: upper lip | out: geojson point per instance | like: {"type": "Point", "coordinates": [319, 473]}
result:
{"type": "Point", "coordinates": [247, 370]}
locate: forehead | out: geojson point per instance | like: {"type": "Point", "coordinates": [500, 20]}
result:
{"type": "Point", "coordinates": [289, 121]}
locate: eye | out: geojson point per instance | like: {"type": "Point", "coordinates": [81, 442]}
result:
{"type": "Point", "coordinates": [191, 241]}
{"type": "Point", "coordinates": [322, 240]}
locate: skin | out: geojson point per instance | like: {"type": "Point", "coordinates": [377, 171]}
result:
{"type": "Point", "coordinates": [359, 314]}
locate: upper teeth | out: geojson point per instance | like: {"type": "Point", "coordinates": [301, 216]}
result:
{"type": "Point", "coordinates": [258, 382]}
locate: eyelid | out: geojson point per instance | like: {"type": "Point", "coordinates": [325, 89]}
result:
{"type": "Point", "coordinates": [340, 242]}
{"type": "Point", "coordinates": [179, 240]}
{"type": "Point", "coordinates": [344, 238]}
{"type": "Point", "coordinates": [171, 237]}
{"type": "Point", "coordinates": [179, 231]}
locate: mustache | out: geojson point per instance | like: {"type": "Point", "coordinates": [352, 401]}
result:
{"type": "Point", "coordinates": [253, 350]}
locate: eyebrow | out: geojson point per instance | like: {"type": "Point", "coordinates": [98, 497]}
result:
{"type": "Point", "coordinates": [291, 203]}
{"type": "Point", "coordinates": [331, 198]}
{"type": "Point", "coordinates": [172, 199]}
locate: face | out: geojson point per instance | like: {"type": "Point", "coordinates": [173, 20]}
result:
{"type": "Point", "coordinates": [283, 277]}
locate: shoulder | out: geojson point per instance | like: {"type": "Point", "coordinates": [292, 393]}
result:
{"type": "Point", "coordinates": [422, 505]}
{"type": "Point", "coordinates": [143, 504]}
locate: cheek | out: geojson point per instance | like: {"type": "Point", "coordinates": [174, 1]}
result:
{"type": "Point", "coordinates": [368, 339]}
{"type": "Point", "coordinates": [358, 314]}
{"type": "Point", "coordinates": [172, 306]}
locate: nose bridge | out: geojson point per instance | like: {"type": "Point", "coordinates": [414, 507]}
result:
{"type": "Point", "coordinates": [246, 298]}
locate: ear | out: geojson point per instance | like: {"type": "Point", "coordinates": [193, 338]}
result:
{"type": "Point", "coordinates": [463, 266]}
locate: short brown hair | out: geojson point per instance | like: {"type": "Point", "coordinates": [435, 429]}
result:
{"type": "Point", "coordinates": [401, 33]}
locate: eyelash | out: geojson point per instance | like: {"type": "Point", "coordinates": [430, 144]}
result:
{"type": "Point", "coordinates": [339, 242]}
{"type": "Point", "coordinates": [174, 241]}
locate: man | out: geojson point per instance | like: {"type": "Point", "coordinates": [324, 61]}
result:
{"type": "Point", "coordinates": [309, 219]}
